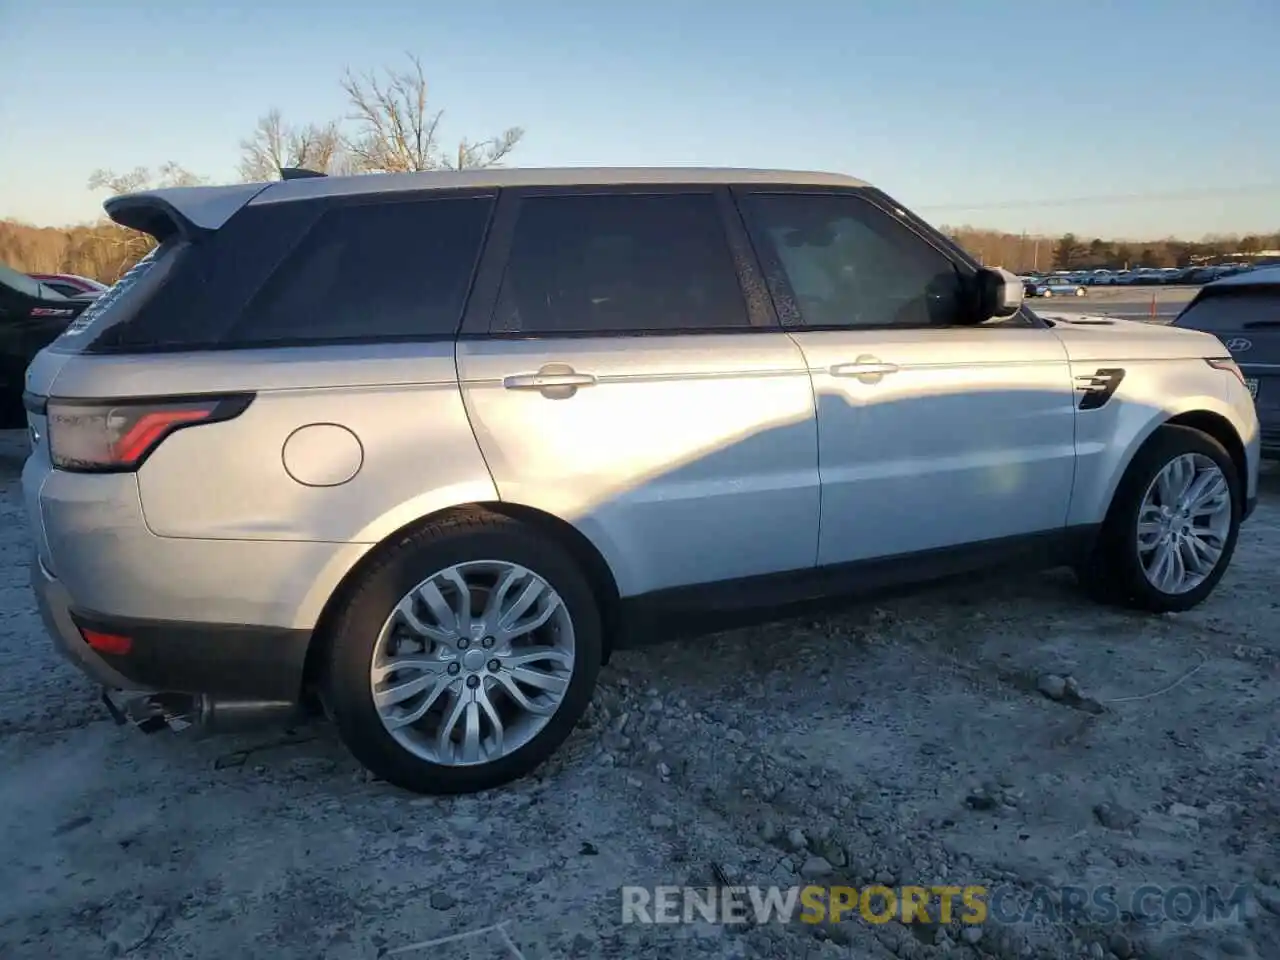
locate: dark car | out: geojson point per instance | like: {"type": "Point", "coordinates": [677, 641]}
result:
{"type": "Point", "coordinates": [31, 317]}
{"type": "Point", "coordinates": [1243, 311]}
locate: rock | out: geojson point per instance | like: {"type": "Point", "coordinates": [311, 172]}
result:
{"type": "Point", "coordinates": [661, 822]}
{"type": "Point", "coordinates": [1096, 952]}
{"type": "Point", "coordinates": [797, 840]}
{"type": "Point", "coordinates": [1120, 945]}
{"type": "Point", "coordinates": [815, 867]}
{"type": "Point", "coordinates": [770, 832]}
{"type": "Point", "coordinates": [1234, 947]}
{"type": "Point", "coordinates": [1070, 688]}
{"type": "Point", "coordinates": [1269, 897]}
{"type": "Point", "coordinates": [971, 934]}
{"type": "Point", "coordinates": [1115, 817]}
{"type": "Point", "coordinates": [441, 900]}
{"type": "Point", "coordinates": [734, 735]}
{"type": "Point", "coordinates": [655, 706]}
{"type": "Point", "coordinates": [832, 851]}
{"type": "Point", "coordinates": [1185, 810]}
{"type": "Point", "coordinates": [615, 742]}
{"type": "Point", "coordinates": [1052, 686]}
{"type": "Point", "coordinates": [664, 771]}
{"type": "Point", "coordinates": [980, 799]}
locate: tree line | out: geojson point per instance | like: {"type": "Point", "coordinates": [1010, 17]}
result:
{"type": "Point", "coordinates": [1027, 254]}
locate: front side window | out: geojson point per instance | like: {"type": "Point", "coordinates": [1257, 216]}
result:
{"type": "Point", "coordinates": [619, 263]}
{"type": "Point", "coordinates": [838, 261]}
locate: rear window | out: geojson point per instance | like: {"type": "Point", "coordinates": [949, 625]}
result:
{"type": "Point", "coordinates": [1238, 310]}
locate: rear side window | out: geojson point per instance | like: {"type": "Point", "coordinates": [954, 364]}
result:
{"type": "Point", "coordinates": [124, 297]}
{"type": "Point", "coordinates": [1233, 312]}
{"type": "Point", "coordinates": [619, 263]}
{"type": "Point", "coordinates": [371, 271]}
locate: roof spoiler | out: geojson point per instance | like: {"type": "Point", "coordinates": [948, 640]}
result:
{"type": "Point", "coordinates": [180, 211]}
{"type": "Point", "coordinates": [299, 173]}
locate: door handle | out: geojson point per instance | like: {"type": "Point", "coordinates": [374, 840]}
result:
{"type": "Point", "coordinates": [554, 380]}
{"type": "Point", "coordinates": [866, 368]}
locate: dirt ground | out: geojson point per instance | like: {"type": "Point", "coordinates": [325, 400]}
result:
{"type": "Point", "coordinates": [906, 741]}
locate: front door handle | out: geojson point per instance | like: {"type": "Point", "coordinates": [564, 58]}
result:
{"type": "Point", "coordinates": [866, 368]}
{"type": "Point", "coordinates": [556, 381]}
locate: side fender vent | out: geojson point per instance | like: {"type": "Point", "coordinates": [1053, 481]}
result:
{"type": "Point", "coordinates": [1098, 387]}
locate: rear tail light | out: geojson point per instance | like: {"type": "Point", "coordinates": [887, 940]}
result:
{"type": "Point", "coordinates": [113, 436]}
{"type": "Point", "coordinates": [112, 643]}
{"type": "Point", "coordinates": [1227, 364]}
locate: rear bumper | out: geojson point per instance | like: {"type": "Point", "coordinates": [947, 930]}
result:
{"type": "Point", "coordinates": [233, 662]}
{"type": "Point", "coordinates": [55, 610]}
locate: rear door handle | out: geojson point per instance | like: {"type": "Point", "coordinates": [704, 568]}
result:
{"type": "Point", "coordinates": [867, 368]}
{"type": "Point", "coordinates": [554, 380]}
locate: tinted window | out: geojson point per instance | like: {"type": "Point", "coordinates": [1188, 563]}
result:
{"type": "Point", "coordinates": [841, 262]}
{"type": "Point", "coordinates": [1233, 311]}
{"type": "Point", "coordinates": [619, 263]}
{"type": "Point", "coordinates": [371, 271]}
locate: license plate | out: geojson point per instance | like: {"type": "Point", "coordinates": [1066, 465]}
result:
{"type": "Point", "coordinates": [1252, 384]}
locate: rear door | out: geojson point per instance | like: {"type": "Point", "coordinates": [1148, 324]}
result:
{"type": "Point", "coordinates": [1246, 317]}
{"type": "Point", "coordinates": [620, 376]}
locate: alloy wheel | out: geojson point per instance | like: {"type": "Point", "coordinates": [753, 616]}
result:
{"type": "Point", "coordinates": [472, 663]}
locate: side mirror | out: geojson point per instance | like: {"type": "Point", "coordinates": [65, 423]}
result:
{"type": "Point", "coordinates": [1000, 293]}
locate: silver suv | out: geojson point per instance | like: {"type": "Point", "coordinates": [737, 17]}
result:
{"type": "Point", "coordinates": [422, 449]}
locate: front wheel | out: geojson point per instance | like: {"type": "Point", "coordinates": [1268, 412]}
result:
{"type": "Point", "coordinates": [1172, 527]}
{"type": "Point", "coordinates": [464, 656]}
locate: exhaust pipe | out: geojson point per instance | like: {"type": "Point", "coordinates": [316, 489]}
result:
{"type": "Point", "coordinates": [152, 712]}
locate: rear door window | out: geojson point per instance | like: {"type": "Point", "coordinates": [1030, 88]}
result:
{"type": "Point", "coordinates": [620, 264]}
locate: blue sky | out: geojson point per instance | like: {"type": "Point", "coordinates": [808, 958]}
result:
{"type": "Point", "coordinates": [981, 111]}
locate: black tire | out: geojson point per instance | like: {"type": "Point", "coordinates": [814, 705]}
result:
{"type": "Point", "coordinates": [478, 535]}
{"type": "Point", "coordinates": [1113, 573]}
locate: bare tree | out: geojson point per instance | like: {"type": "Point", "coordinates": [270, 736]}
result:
{"type": "Point", "coordinates": [276, 145]}
{"type": "Point", "coordinates": [397, 132]}
{"type": "Point", "coordinates": [143, 178]}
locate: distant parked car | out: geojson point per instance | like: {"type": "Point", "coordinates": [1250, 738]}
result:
{"type": "Point", "coordinates": [1243, 311]}
{"type": "Point", "coordinates": [71, 285]}
{"type": "Point", "coordinates": [32, 314]}
{"type": "Point", "coordinates": [1058, 287]}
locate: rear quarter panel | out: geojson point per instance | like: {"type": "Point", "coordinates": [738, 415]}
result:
{"type": "Point", "coordinates": [229, 480]}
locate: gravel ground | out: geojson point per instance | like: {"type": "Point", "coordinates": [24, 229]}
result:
{"type": "Point", "coordinates": [905, 741]}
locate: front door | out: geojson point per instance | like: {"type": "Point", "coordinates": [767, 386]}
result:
{"type": "Point", "coordinates": [931, 434]}
{"type": "Point", "coordinates": [617, 379]}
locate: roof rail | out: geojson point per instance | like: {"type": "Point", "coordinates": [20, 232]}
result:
{"type": "Point", "coordinates": [299, 173]}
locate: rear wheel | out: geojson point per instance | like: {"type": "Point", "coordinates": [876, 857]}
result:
{"type": "Point", "coordinates": [464, 657]}
{"type": "Point", "coordinates": [1172, 527]}
{"type": "Point", "coordinates": [1081, 291]}
{"type": "Point", "coordinates": [1047, 293]}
